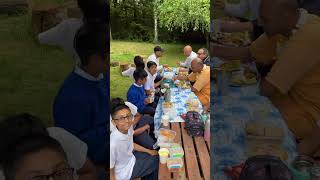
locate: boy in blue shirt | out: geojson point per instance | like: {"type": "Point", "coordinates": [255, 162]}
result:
{"type": "Point", "coordinates": [137, 95]}
{"type": "Point", "coordinates": [81, 106]}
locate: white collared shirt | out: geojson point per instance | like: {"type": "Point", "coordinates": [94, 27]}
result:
{"type": "Point", "coordinates": [137, 85]}
{"type": "Point", "coordinates": [149, 85]}
{"type": "Point", "coordinates": [154, 58]}
{"type": "Point", "coordinates": [133, 109]}
{"type": "Point", "coordinates": [121, 154]}
{"type": "Point", "coordinates": [187, 62]}
{"type": "Point", "coordinates": [87, 76]}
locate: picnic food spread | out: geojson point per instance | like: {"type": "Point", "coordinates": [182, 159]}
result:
{"type": "Point", "coordinates": [183, 84]}
{"type": "Point", "coordinates": [236, 39]}
{"type": "Point", "coordinates": [245, 77]}
{"type": "Point", "coordinates": [167, 105]}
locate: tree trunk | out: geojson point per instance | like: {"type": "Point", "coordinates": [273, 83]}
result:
{"type": "Point", "coordinates": [155, 27]}
{"type": "Point", "coordinates": [110, 34]}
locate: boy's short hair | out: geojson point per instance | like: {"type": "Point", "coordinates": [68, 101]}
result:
{"type": "Point", "coordinates": [139, 74]}
{"type": "Point", "coordinates": [138, 61]}
{"type": "Point", "coordinates": [158, 48]}
{"type": "Point", "coordinates": [15, 127]}
{"type": "Point", "coordinates": [19, 149]}
{"type": "Point", "coordinates": [150, 64]}
{"type": "Point", "coordinates": [91, 40]}
{"type": "Point", "coordinates": [117, 104]}
{"type": "Point", "coordinates": [95, 10]}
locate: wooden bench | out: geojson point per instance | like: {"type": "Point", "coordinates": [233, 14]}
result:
{"type": "Point", "coordinates": [196, 158]}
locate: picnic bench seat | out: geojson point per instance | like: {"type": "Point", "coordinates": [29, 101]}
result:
{"type": "Point", "coordinates": [196, 158]}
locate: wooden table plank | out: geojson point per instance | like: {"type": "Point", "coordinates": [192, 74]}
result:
{"type": "Point", "coordinates": [190, 154]}
{"type": "Point", "coordinates": [203, 155]}
{"type": "Point", "coordinates": [176, 127]}
{"type": "Point", "coordinates": [163, 172]}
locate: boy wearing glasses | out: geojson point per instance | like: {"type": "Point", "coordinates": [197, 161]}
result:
{"type": "Point", "coordinates": [127, 159]}
{"type": "Point", "coordinates": [36, 157]}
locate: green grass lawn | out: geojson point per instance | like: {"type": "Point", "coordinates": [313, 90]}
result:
{"type": "Point", "coordinates": [30, 74]}
{"type": "Point", "coordinates": [123, 51]}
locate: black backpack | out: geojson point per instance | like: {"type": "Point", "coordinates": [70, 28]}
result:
{"type": "Point", "coordinates": [194, 124]}
{"type": "Point", "coordinates": [265, 167]}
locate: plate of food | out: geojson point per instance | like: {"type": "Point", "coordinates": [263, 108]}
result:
{"type": "Point", "coordinates": [236, 39]}
{"type": "Point", "coordinates": [244, 78]}
{"type": "Point", "coordinates": [167, 105]}
{"type": "Point", "coordinates": [183, 84]}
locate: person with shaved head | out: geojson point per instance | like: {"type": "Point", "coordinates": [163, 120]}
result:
{"type": "Point", "coordinates": [201, 77]}
{"type": "Point", "coordinates": [290, 48]}
{"type": "Point", "coordinates": [187, 51]}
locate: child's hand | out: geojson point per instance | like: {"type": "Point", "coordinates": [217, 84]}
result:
{"type": "Point", "coordinates": [146, 101]}
{"type": "Point", "coordinates": [147, 128]}
{"type": "Point", "coordinates": [153, 152]}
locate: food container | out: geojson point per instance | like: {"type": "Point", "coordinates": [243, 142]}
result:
{"type": "Point", "coordinates": [174, 164]}
{"type": "Point", "coordinates": [176, 152]}
{"type": "Point", "coordinates": [163, 154]}
{"type": "Point", "coordinates": [166, 135]}
{"type": "Point", "coordinates": [165, 120]}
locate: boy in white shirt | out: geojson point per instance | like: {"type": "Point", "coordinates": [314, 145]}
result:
{"type": "Point", "coordinates": [143, 126]}
{"type": "Point", "coordinates": [127, 159]}
{"type": "Point", "coordinates": [155, 57]}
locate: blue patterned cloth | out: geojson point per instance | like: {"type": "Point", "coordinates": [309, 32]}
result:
{"type": "Point", "coordinates": [179, 97]}
{"type": "Point", "coordinates": [230, 114]}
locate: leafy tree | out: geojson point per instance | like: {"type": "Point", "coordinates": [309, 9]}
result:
{"type": "Point", "coordinates": [184, 14]}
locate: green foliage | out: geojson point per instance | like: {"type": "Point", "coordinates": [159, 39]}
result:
{"type": "Point", "coordinates": [184, 14]}
{"type": "Point", "coordinates": [132, 20]}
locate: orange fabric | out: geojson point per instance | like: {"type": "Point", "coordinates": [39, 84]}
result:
{"type": "Point", "coordinates": [296, 74]}
{"type": "Point", "coordinates": [202, 84]}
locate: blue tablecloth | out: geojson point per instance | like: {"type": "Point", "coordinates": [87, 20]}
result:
{"type": "Point", "coordinates": [230, 115]}
{"type": "Point", "coordinates": [179, 97]}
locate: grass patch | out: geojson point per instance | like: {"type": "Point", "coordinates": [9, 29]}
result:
{"type": "Point", "coordinates": [30, 74]}
{"type": "Point", "coordinates": [124, 51]}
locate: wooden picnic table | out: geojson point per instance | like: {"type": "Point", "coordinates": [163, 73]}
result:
{"type": "Point", "coordinates": [196, 158]}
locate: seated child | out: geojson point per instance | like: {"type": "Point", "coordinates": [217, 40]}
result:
{"type": "Point", "coordinates": [138, 62]}
{"type": "Point", "coordinates": [143, 125]}
{"type": "Point", "coordinates": [127, 159]}
{"type": "Point", "coordinates": [150, 86]}
{"type": "Point", "coordinates": [137, 96]}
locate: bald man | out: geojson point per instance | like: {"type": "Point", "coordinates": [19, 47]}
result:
{"type": "Point", "coordinates": [201, 77]}
{"type": "Point", "coordinates": [290, 46]}
{"type": "Point", "coordinates": [187, 51]}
